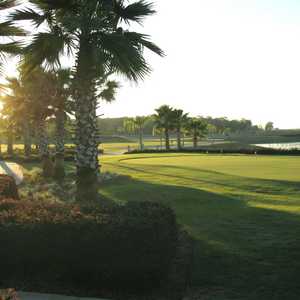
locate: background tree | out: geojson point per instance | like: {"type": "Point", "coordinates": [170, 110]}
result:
{"type": "Point", "coordinates": [160, 132]}
{"type": "Point", "coordinates": [139, 123]}
{"type": "Point", "coordinates": [164, 119]}
{"type": "Point", "coordinates": [128, 126]}
{"type": "Point", "coordinates": [7, 32]}
{"type": "Point", "coordinates": [38, 91]}
{"type": "Point", "coordinates": [92, 31]}
{"type": "Point", "coordinates": [62, 104]}
{"type": "Point", "coordinates": [197, 128]}
{"type": "Point", "coordinates": [269, 126]}
{"type": "Point", "coordinates": [14, 112]}
{"type": "Point", "coordinates": [180, 119]}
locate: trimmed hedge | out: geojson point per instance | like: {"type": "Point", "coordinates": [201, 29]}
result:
{"type": "Point", "coordinates": [62, 247]}
{"type": "Point", "coordinates": [8, 187]}
{"type": "Point", "coordinates": [262, 151]}
{"type": "Point", "coordinates": [20, 157]}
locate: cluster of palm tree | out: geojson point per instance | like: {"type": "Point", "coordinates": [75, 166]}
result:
{"type": "Point", "coordinates": [137, 125]}
{"type": "Point", "coordinates": [96, 34]}
{"type": "Point", "coordinates": [169, 120]}
{"type": "Point", "coordinates": [29, 101]}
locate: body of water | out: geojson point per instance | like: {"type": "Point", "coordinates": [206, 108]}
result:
{"type": "Point", "coordinates": [285, 146]}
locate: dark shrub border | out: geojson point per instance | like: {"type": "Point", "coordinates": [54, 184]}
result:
{"type": "Point", "coordinates": [20, 157]}
{"type": "Point", "coordinates": [265, 151]}
{"type": "Point", "coordinates": [8, 187]}
{"type": "Point", "coordinates": [65, 248]}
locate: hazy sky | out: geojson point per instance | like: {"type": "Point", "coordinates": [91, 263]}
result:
{"type": "Point", "coordinates": [234, 58]}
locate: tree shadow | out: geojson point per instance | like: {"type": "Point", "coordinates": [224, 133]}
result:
{"type": "Point", "coordinates": [224, 180]}
{"type": "Point", "coordinates": [246, 252]}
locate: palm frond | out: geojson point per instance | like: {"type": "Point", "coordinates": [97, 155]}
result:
{"type": "Point", "coordinates": [136, 11]}
{"type": "Point", "coordinates": [11, 48]}
{"type": "Point", "coordinates": [139, 39]}
{"type": "Point", "coordinates": [27, 14]}
{"type": "Point", "coordinates": [54, 4]}
{"type": "Point", "coordinates": [109, 92]}
{"type": "Point", "coordinates": [124, 58]}
{"type": "Point", "coordinates": [8, 29]}
{"type": "Point", "coordinates": [5, 4]}
{"type": "Point", "coordinates": [46, 47]}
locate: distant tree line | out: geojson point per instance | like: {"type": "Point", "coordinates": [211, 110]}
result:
{"type": "Point", "coordinates": [215, 126]}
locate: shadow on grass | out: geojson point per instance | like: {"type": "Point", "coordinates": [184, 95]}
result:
{"type": "Point", "coordinates": [204, 176]}
{"type": "Point", "coordinates": [241, 252]}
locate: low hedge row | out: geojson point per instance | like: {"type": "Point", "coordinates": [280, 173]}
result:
{"type": "Point", "coordinates": [8, 187]}
{"type": "Point", "coordinates": [54, 247]}
{"type": "Point", "coordinates": [265, 151]}
{"type": "Point", "coordinates": [20, 157]}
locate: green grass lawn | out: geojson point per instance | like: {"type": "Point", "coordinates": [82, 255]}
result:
{"type": "Point", "coordinates": [243, 211]}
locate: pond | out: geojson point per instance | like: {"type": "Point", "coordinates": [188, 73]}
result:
{"type": "Point", "coordinates": [285, 146]}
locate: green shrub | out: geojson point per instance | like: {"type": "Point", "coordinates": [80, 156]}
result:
{"type": "Point", "coordinates": [9, 294]}
{"type": "Point", "coordinates": [91, 248]}
{"type": "Point", "coordinates": [8, 187]}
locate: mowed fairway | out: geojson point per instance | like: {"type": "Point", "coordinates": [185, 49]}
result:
{"type": "Point", "coordinates": [243, 211]}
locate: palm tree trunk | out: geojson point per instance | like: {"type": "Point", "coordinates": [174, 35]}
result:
{"type": "Point", "coordinates": [179, 146]}
{"type": "Point", "coordinates": [141, 137]}
{"type": "Point", "coordinates": [59, 168]}
{"type": "Point", "coordinates": [167, 137]}
{"type": "Point", "coordinates": [10, 141]}
{"type": "Point", "coordinates": [86, 126]}
{"type": "Point", "coordinates": [43, 142]}
{"type": "Point", "coordinates": [27, 138]}
{"type": "Point", "coordinates": [195, 140]}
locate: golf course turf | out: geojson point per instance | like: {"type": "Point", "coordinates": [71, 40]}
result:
{"type": "Point", "coordinates": [243, 212]}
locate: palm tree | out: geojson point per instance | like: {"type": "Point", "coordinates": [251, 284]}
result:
{"type": "Point", "coordinates": [7, 31]}
{"type": "Point", "coordinates": [14, 111]}
{"type": "Point", "coordinates": [39, 93]}
{"type": "Point", "coordinates": [139, 123]}
{"type": "Point", "coordinates": [180, 119]}
{"type": "Point", "coordinates": [197, 129]}
{"type": "Point", "coordinates": [62, 104]}
{"type": "Point", "coordinates": [128, 126]}
{"type": "Point", "coordinates": [92, 31]}
{"type": "Point", "coordinates": [158, 131]}
{"type": "Point", "coordinates": [164, 119]}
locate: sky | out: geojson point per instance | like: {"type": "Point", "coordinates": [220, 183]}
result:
{"type": "Point", "coordinates": [233, 58]}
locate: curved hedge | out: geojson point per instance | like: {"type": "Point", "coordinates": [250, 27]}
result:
{"type": "Point", "coordinates": [56, 247]}
{"type": "Point", "coordinates": [260, 151]}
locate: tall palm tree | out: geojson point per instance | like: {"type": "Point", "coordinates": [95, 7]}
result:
{"type": "Point", "coordinates": [61, 104]}
{"type": "Point", "coordinates": [94, 32]}
{"type": "Point", "coordinates": [39, 93]}
{"type": "Point", "coordinates": [139, 123]}
{"type": "Point", "coordinates": [164, 119]}
{"type": "Point", "coordinates": [128, 126]}
{"type": "Point", "coordinates": [156, 130]}
{"type": "Point", "coordinates": [8, 31]}
{"type": "Point", "coordinates": [180, 119]}
{"type": "Point", "coordinates": [197, 128]}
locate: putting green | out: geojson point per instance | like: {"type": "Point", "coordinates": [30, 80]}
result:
{"type": "Point", "coordinates": [264, 167]}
